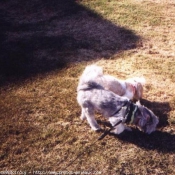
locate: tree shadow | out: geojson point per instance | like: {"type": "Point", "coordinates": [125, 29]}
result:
{"type": "Point", "coordinates": [40, 36]}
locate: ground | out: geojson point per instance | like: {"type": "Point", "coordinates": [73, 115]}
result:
{"type": "Point", "coordinates": [45, 47]}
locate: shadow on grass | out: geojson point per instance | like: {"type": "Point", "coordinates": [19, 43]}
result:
{"type": "Point", "coordinates": [160, 109]}
{"type": "Point", "coordinates": [158, 140]}
{"type": "Point", "coordinates": [40, 36]}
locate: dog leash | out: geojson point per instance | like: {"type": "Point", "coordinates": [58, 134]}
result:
{"type": "Point", "coordinates": [129, 117]}
{"type": "Point", "coordinates": [109, 130]}
{"type": "Point", "coordinates": [100, 138]}
{"type": "Point", "coordinates": [84, 150]}
{"type": "Point", "coordinates": [80, 154]}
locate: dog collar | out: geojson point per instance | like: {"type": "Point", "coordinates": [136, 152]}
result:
{"type": "Point", "coordinates": [119, 110]}
{"type": "Point", "coordinates": [131, 114]}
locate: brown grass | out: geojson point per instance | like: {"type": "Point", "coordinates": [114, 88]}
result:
{"type": "Point", "coordinates": [40, 125]}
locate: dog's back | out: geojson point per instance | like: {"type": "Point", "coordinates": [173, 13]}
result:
{"type": "Point", "coordinates": [131, 88]}
{"type": "Point", "coordinates": [89, 85]}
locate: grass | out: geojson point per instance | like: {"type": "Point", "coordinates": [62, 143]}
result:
{"type": "Point", "coordinates": [40, 125]}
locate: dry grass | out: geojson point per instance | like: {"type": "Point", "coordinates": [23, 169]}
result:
{"type": "Point", "coordinates": [40, 125]}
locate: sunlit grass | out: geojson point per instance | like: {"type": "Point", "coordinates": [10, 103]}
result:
{"type": "Point", "coordinates": [40, 125]}
{"type": "Point", "coordinates": [128, 13]}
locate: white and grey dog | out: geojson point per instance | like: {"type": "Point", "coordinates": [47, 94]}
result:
{"type": "Point", "coordinates": [131, 88]}
{"type": "Point", "coordinates": [93, 97]}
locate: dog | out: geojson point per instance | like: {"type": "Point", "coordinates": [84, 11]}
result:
{"type": "Point", "coordinates": [131, 88]}
{"type": "Point", "coordinates": [92, 97]}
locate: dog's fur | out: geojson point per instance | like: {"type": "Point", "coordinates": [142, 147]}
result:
{"type": "Point", "coordinates": [93, 97]}
{"type": "Point", "coordinates": [131, 88]}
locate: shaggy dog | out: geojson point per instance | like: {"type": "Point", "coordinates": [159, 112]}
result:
{"type": "Point", "coordinates": [93, 97]}
{"type": "Point", "coordinates": [131, 88]}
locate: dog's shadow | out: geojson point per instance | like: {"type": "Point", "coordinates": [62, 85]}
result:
{"type": "Point", "coordinates": [158, 140]}
{"type": "Point", "coordinates": [160, 109]}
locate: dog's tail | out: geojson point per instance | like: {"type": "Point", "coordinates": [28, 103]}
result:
{"type": "Point", "coordinates": [91, 72]}
{"type": "Point", "coordinates": [90, 85]}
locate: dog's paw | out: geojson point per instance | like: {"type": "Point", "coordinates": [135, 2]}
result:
{"type": "Point", "coordinates": [116, 132]}
{"type": "Point", "coordinates": [82, 117]}
{"type": "Point", "coordinates": [119, 129]}
{"type": "Point", "coordinates": [128, 128]}
{"type": "Point", "coordinates": [96, 128]}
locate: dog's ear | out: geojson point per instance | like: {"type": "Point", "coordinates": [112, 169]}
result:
{"type": "Point", "coordinates": [139, 90]}
{"type": "Point", "coordinates": [143, 110]}
{"type": "Point", "coordinates": [141, 116]}
{"type": "Point", "coordinates": [146, 114]}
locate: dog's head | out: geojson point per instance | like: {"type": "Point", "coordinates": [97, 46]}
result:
{"type": "Point", "coordinates": [135, 85]}
{"type": "Point", "coordinates": [147, 120]}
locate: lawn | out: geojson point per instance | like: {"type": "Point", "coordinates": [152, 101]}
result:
{"type": "Point", "coordinates": [45, 47]}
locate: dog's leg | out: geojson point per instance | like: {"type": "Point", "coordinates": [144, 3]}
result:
{"type": "Point", "coordinates": [128, 128]}
{"type": "Point", "coordinates": [91, 119]}
{"type": "Point", "coordinates": [119, 128]}
{"type": "Point", "coordinates": [83, 116]}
